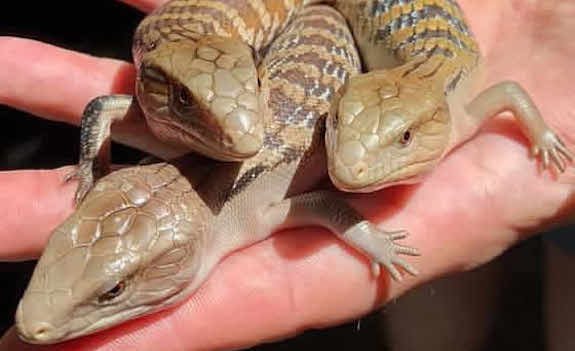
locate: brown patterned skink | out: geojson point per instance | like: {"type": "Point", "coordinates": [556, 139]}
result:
{"type": "Point", "coordinates": [422, 97]}
{"type": "Point", "coordinates": [198, 88]}
{"type": "Point", "coordinates": [197, 83]}
{"type": "Point", "coordinates": [146, 237]}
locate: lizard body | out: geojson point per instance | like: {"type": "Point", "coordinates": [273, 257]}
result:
{"type": "Point", "coordinates": [147, 237]}
{"type": "Point", "coordinates": [197, 83]}
{"type": "Point", "coordinates": [421, 97]}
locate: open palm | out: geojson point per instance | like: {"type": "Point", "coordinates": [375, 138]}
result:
{"type": "Point", "coordinates": [485, 197]}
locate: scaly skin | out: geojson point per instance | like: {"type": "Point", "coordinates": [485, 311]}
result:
{"type": "Point", "coordinates": [197, 80]}
{"type": "Point", "coordinates": [489, 195]}
{"type": "Point", "coordinates": [143, 222]}
{"type": "Point", "coordinates": [147, 237]}
{"type": "Point", "coordinates": [197, 84]}
{"type": "Point", "coordinates": [422, 97]}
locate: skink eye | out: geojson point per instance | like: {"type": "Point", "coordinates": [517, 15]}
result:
{"type": "Point", "coordinates": [406, 138]}
{"type": "Point", "coordinates": [112, 293]}
{"type": "Point", "coordinates": [184, 97]}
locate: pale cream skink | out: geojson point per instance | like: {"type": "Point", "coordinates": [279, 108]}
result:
{"type": "Point", "coordinates": [146, 237]}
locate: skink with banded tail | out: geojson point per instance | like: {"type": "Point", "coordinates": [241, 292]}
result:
{"type": "Point", "coordinates": [197, 83]}
{"type": "Point", "coordinates": [197, 87]}
{"type": "Point", "coordinates": [147, 237]}
{"type": "Point", "coordinates": [421, 98]}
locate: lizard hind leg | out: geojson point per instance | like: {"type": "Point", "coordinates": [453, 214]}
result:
{"type": "Point", "coordinates": [330, 210]}
{"type": "Point", "coordinates": [97, 119]}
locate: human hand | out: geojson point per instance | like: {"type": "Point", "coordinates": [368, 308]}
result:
{"type": "Point", "coordinates": [481, 200]}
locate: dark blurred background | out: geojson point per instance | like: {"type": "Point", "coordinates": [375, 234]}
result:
{"type": "Point", "coordinates": [497, 307]}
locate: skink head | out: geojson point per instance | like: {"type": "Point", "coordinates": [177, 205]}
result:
{"type": "Point", "coordinates": [389, 130]}
{"type": "Point", "coordinates": [134, 246]}
{"type": "Point", "coordinates": [202, 95]}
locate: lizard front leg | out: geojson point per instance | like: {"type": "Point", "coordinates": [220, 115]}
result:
{"type": "Point", "coordinates": [510, 96]}
{"type": "Point", "coordinates": [97, 119]}
{"type": "Point", "coordinates": [329, 210]}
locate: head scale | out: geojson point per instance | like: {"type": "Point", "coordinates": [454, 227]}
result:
{"type": "Point", "coordinates": [131, 248]}
{"type": "Point", "coordinates": [202, 95]}
{"type": "Point", "coordinates": [389, 130]}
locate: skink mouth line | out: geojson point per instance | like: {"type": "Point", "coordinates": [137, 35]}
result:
{"type": "Point", "coordinates": [88, 327]}
{"type": "Point", "coordinates": [378, 182]}
{"type": "Point", "coordinates": [202, 143]}
{"type": "Point", "coordinates": [374, 186]}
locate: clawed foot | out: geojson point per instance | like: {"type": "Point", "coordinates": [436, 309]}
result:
{"type": "Point", "coordinates": [83, 173]}
{"type": "Point", "coordinates": [389, 255]}
{"type": "Point", "coordinates": [382, 249]}
{"type": "Point", "coordinates": [552, 149]}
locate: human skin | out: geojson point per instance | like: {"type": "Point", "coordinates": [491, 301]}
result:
{"type": "Point", "coordinates": [486, 196]}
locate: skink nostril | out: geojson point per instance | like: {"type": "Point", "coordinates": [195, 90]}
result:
{"type": "Point", "coordinates": [41, 331]}
{"type": "Point", "coordinates": [37, 332]}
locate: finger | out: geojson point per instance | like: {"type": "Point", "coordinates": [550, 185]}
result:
{"type": "Point", "coordinates": [564, 151]}
{"type": "Point", "coordinates": [146, 6]}
{"type": "Point", "coordinates": [389, 267]}
{"type": "Point", "coordinates": [557, 160]}
{"type": "Point", "coordinates": [308, 279]}
{"type": "Point", "coordinates": [406, 266]}
{"type": "Point", "coordinates": [32, 203]}
{"type": "Point", "coordinates": [57, 83]}
{"type": "Point", "coordinates": [406, 250]}
{"type": "Point", "coordinates": [305, 279]}
{"type": "Point", "coordinates": [397, 235]}
{"type": "Point", "coordinates": [545, 158]}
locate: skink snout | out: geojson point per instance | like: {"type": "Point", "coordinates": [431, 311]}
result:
{"type": "Point", "coordinates": [35, 331]}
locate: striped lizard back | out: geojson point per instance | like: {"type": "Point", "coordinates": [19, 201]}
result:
{"type": "Point", "coordinates": [395, 32]}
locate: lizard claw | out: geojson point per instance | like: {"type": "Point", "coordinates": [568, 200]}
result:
{"type": "Point", "coordinates": [551, 149]}
{"type": "Point", "coordinates": [83, 173]}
